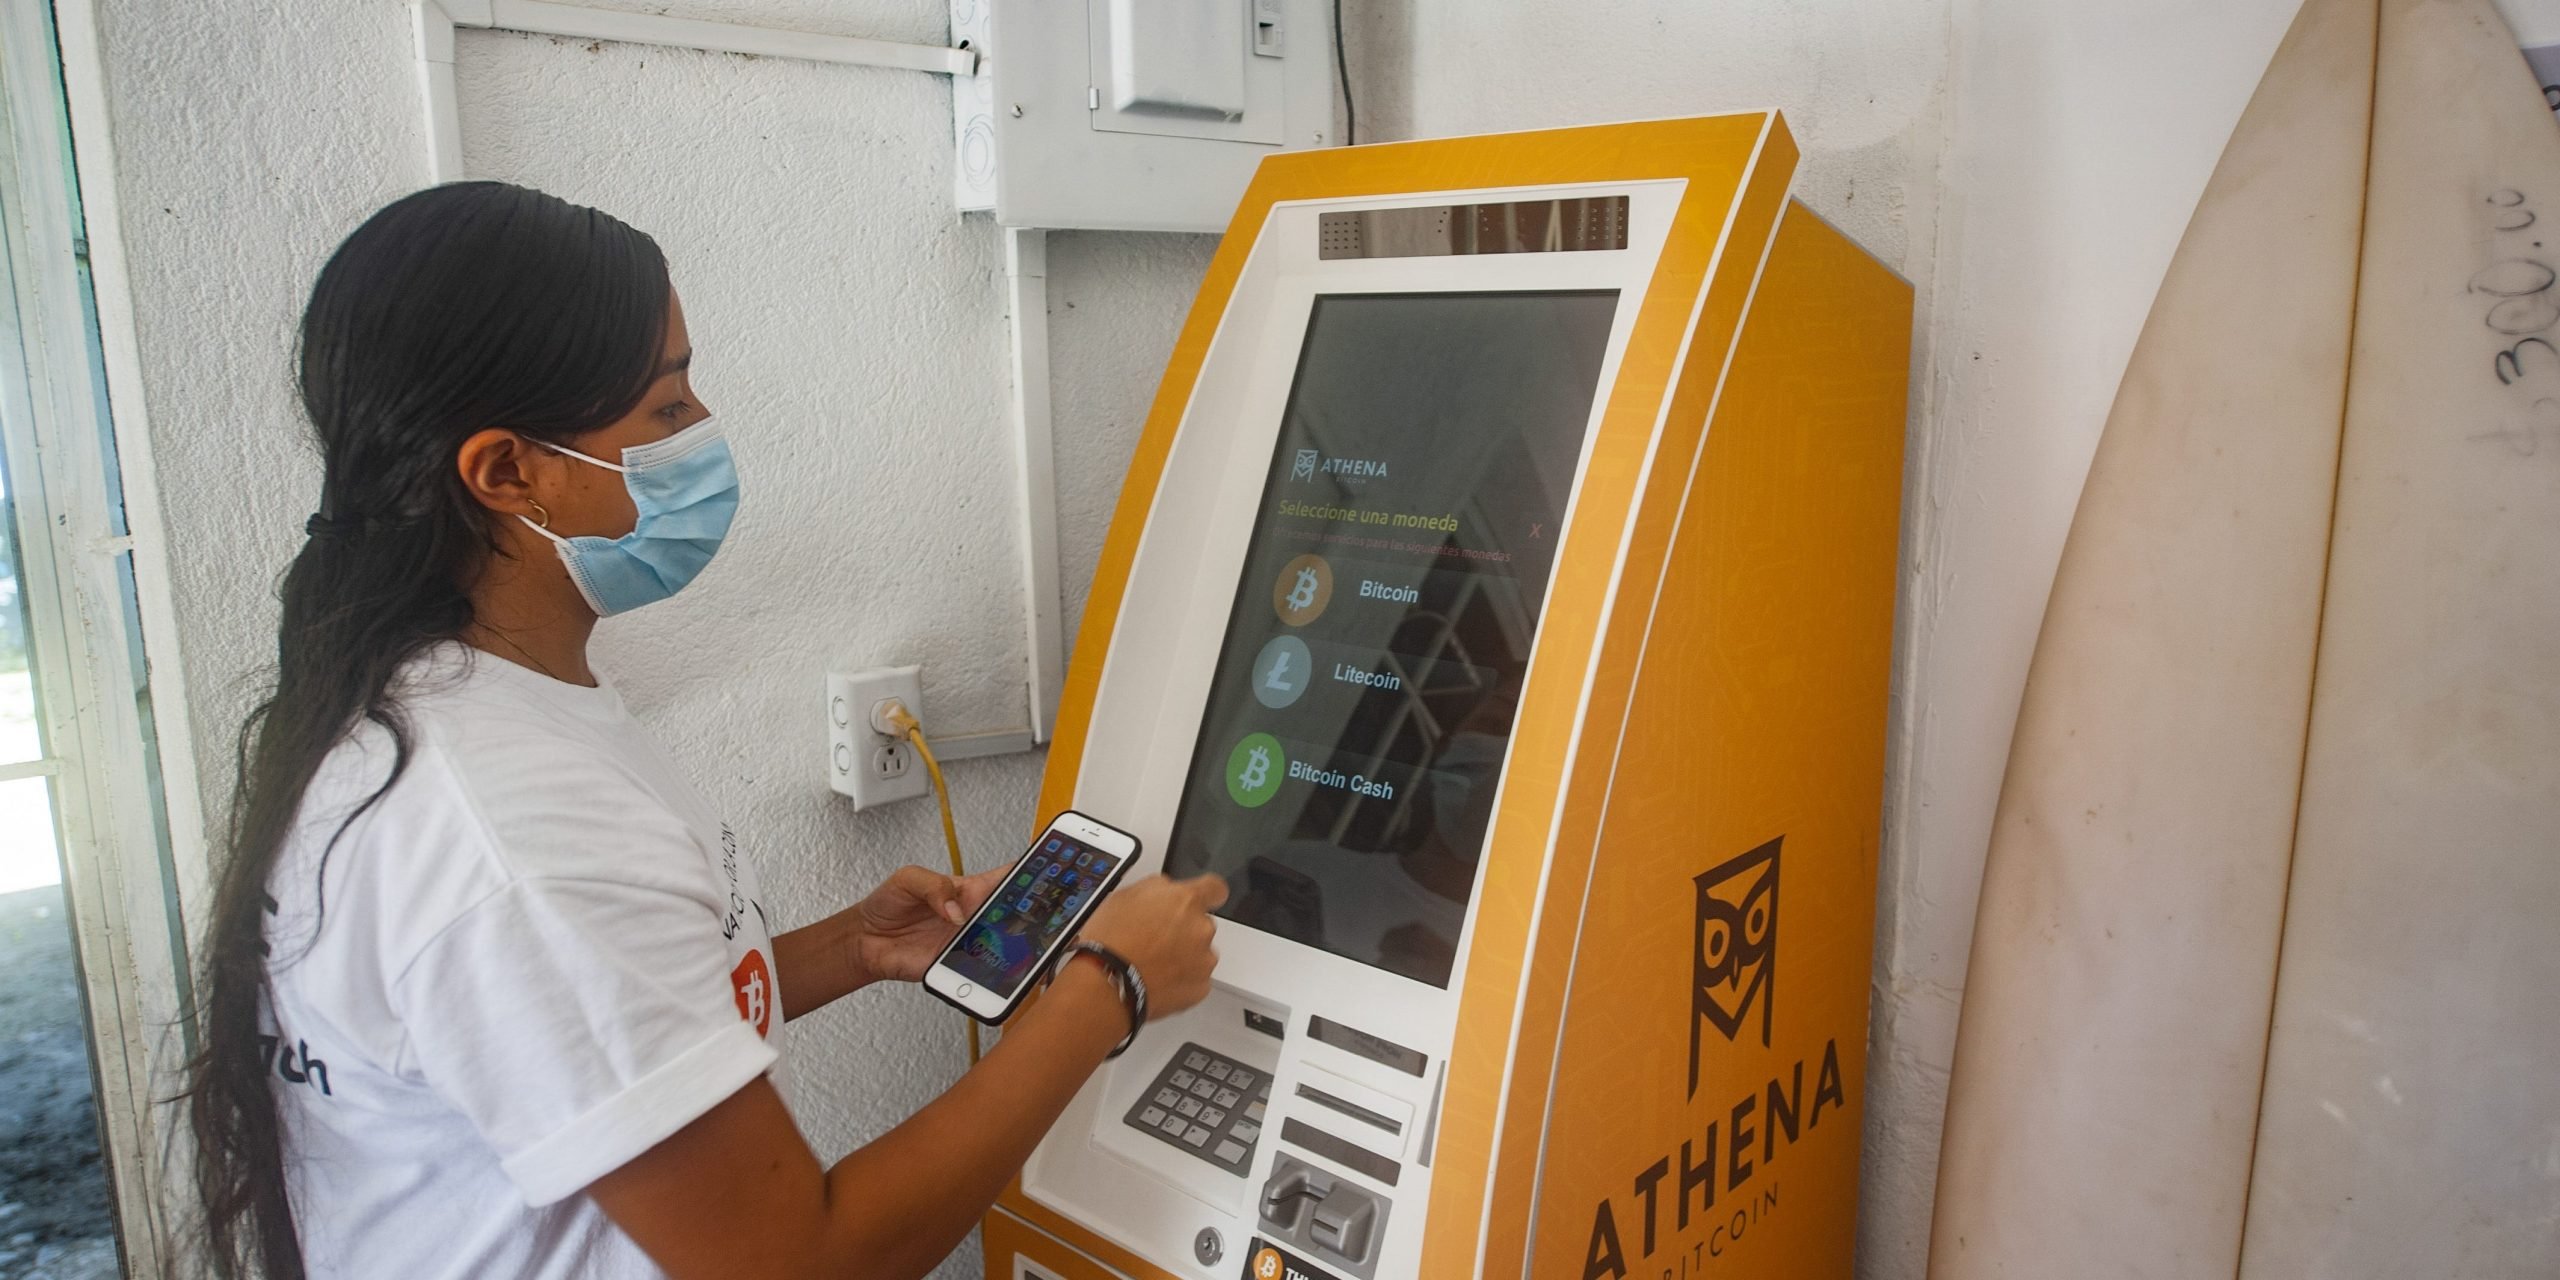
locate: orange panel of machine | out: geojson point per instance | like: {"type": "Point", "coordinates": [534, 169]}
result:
{"type": "Point", "coordinates": [1008, 1238]}
{"type": "Point", "coordinates": [1705, 1115]}
{"type": "Point", "coordinates": [1550, 952]}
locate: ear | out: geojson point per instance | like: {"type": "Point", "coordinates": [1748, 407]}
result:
{"type": "Point", "coordinates": [499, 468]}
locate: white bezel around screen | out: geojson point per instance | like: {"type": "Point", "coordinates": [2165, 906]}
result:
{"type": "Point", "coordinates": [987, 1006]}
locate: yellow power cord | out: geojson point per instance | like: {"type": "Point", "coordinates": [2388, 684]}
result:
{"type": "Point", "coordinates": [905, 722]}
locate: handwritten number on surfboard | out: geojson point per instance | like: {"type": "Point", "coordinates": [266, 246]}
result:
{"type": "Point", "coordinates": [2513, 278]}
{"type": "Point", "coordinates": [2512, 202]}
{"type": "Point", "coordinates": [2523, 305]}
{"type": "Point", "coordinates": [2516, 317]}
{"type": "Point", "coordinates": [2510, 362]}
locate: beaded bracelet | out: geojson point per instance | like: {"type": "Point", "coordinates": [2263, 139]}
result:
{"type": "Point", "coordinates": [1133, 989]}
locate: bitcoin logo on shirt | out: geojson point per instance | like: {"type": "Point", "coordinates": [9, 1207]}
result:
{"type": "Point", "coordinates": [1254, 770]}
{"type": "Point", "coordinates": [1304, 589]}
{"type": "Point", "coordinates": [752, 983]}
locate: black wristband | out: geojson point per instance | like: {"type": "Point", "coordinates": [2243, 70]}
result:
{"type": "Point", "coordinates": [1133, 989]}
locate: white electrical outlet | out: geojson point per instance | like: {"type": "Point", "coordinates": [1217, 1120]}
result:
{"type": "Point", "coordinates": [865, 762]}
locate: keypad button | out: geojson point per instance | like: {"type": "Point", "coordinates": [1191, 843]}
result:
{"type": "Point", "coordinates": [1197, 1137]}
{"type": "Point", "coordinates": [1254, 1112]}
{"type": "Point", "coordinates": [1189, 1106]}
{"type": "Point", "coordinates": [1230, 1153]}
{"type": "Point", "coordinates": [1241, 1079]}
{"type": "Point", "coordinates": [1151, 1117]}
{"type": "Point", "coordinates": [1167, 1097]}
{"type": "Point", "coordinates": [1217, 1071]}
{"type": "Point", "coordinates": [1183, 1079]}
{"type": "Point", "coordinates": [1229, 1097]}
{"type": "Point", "coordinates": [1212, 1117]}
{"type": "Point", "coordinates": [1203, 1089]}
{"type": "Point", "coordinates": [1195, 1060]}
{"type": "Point", "coordinates": [1247, 1131]}
{"type": "Point", "coordinates": [1174, 1125]}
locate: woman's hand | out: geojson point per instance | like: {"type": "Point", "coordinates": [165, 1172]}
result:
{"type": "Point", "coordinates": [1162, 928]}
{"type": "Point", "coordinates": [907, 921]}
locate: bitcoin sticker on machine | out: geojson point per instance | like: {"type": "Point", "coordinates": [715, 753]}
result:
{"type": "Point", "coordinates": [1503, 583]}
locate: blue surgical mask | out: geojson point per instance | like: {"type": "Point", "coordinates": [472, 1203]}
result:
{"type": "Point", "coordinates": [685, 488]}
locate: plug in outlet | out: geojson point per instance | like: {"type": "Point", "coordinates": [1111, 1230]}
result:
{"type": "Point", "coordinates": [865, 762]}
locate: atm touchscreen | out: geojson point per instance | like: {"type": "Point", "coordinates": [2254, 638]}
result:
{"type": "Point", "coordinates": [1398, 566]}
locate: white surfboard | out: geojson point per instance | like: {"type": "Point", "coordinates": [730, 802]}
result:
{"type": "Point", "coordinates": [2411, 1122]}
{"type": "Point", "coordinates": [2115, 1017]}
{"type": "Point", "coordinates": [2298, 697]}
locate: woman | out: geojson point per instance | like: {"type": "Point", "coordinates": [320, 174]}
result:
{"type": "Point", "coordinates": [486, 994]}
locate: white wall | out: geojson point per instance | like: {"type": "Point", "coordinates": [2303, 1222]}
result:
{"type": "Point", "coordinates": [850, 331]}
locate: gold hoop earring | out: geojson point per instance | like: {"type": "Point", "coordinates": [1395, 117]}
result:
{"type": "Point", "coordinates": [545, 516]}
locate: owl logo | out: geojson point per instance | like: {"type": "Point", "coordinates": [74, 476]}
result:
{"type": "Point", "coordinates": [1735, 956]}
{"type": "Point", "coordinates": [1306, 465]}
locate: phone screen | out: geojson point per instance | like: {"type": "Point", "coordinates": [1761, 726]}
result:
{"type": "Point", "coordinates": [1000, 947]}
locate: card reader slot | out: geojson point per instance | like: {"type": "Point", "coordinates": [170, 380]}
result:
{"type": "Point", "coordinates": [1357, 1159]}
{"type": "Point", "coordinates": [1351, 1109]}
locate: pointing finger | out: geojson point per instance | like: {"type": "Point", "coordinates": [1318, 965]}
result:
{"type": "Point", "coordinates": [1211, 890]}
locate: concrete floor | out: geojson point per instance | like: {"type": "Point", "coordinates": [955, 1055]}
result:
{"type": "Point", "coordinates": [55, 1221]}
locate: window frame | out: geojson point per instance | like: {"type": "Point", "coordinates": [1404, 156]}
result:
{"type": "Point", "coordinates": [94, 588]}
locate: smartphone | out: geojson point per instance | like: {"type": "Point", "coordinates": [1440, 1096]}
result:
{"type": "Point", "coordinates": [1039, 904]}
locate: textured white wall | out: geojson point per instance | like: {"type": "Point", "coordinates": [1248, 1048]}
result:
{"type": "Point", "coordinates": [851, 333]}
{"type": "Point", "coordinates": [1858, 80]}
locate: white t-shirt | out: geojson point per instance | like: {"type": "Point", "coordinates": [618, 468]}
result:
{"type": "Point", "coordinates": [536, 956]}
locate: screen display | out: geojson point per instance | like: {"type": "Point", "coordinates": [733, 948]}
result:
{"type": "Point", "coordinates": [1028, 912]}
{"type": "Point", "coordinates": [1361, 707]}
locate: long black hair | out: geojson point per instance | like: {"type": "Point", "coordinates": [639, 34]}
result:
{"type": "Point", "coordinates": [455, 309]}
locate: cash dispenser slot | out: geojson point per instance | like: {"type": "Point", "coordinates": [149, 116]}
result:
{"type": "Point", "coordinates": [1377, 1049]}
{"type": "Point", "coordinates": [1349, 1108]}
{"type": "Point", "coordinates": [1348, 1154]}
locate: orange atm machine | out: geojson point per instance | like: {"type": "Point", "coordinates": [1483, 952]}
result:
{"type": "Point", "coordinates": [1501, 599]}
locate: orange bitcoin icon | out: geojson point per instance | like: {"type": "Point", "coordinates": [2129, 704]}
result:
{"type": "Point", "coordinates": [1304, 589]}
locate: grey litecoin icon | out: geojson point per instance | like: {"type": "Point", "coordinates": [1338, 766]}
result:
{"type": "Point", "coordinates": [1281, 671]}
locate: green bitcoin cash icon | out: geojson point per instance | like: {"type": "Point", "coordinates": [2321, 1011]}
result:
{"type": "Point", "coordinates": [1254, 770]}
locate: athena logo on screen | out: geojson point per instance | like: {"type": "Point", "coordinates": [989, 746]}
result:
{"type": "Point", "coordinates": [1736, 951]}
{"type": "Point", "coordinates": [1306, 468]}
